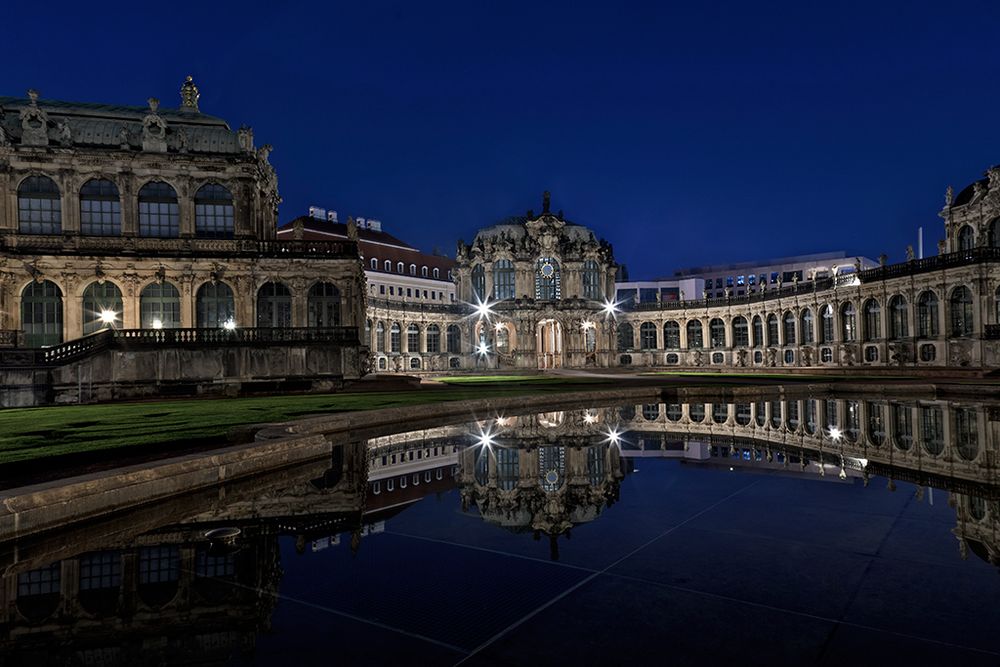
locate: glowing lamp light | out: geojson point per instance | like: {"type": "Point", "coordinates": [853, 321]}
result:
{"type": "Point", "coordinates": [587, 324]}
{"type": "Point", "coordinates": [835, 433]}
{"type": "Point", "coordinates": [499, 327]}
{"type": "Point", "coordinates": [157, 323]}
{"type": "Point", "coordinates": [589, 417]}
{"type": "Point", "coordinates": [614, 437]}
{"type": "Point", "coordinates": [484, 308]}
{"type": "Point", "coordinates": [610, 308]}
{"type": "Point", "coordinates": [485, 438]}
{"type": "Point", "coordinates": [483, 350]}
{"type": "Point", "coordinates": [229, 325]}
{"type": "Point", "coordinates": [108, 316]}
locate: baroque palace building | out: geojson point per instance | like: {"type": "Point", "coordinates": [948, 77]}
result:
{"type": "Point", "coordinates": [121, 223]}
{"type": "Point", "coordinates": [155, 224]}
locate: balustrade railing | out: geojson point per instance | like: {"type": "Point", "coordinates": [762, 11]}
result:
{"type": "Point", "coordinates": [76, 245]}
{"type": "Point", "coordinates": [139, 338]}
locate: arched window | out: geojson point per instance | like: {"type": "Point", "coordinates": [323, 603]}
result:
{"type": "Point", "coordinates": [503, 279]}
{"type": "Point", "coordinates": [503, 339]}
{"type": "Point", "coordinates": [694, 336]}
{"type": "Point", "coordinates": [741, 332]}
{"type": "Point", "coordinates": [548, 283]}
{"type": "Point", "coordinates": [742, 415]}
{"type": "Point", "coordinates": [849, 322]}
{"type": "Point", "coordinates": [215, 305]}
{"type": "Point", "coordinates": [102, 306]}
{"type": "Point", "coordinates": [996, 306]}
{"type": "Point", "coordinates": [898, 325]}
{"type": "Point", "coordinates": [423, 271]}
{"type": "Point", "coordinates": [759, 413]}
{"type": "Point", "coordinates": [932, 430]}
{"type": "Point", "coordinates": [876, 423]}
{"type": "Point", "coordinates": [792, 416]}
{"type": "Point", "coordinates": [39, 207]}
{"type": "Point", "coordinates": [454, 339]}
{"type": "Point", "coordinates": [42, 314]}
{"type": "Point", "coordinates": [775, 414]}
{"type": "Point", "coordinates": [374, 264]}
{"type": "Point", "coordinates": [589, 339]}
{"type": "Point", "coordinates": [413, 338]}
{"type": "Point", "coordinates": [717, 333]}
{"type": "Point", "coordinates": [902, 426]}
{"type": "Point", "coordinates": [433, 339]}
{"type": "Point", "coordinates": [400, 268]}
{"type": "Point", "coordinates": [966, 433]}
{"type": "Point", "coordinates": [436, 272]}
{"type": "Point", "coordinates": [966, 238]}
{"type": "Point", "coordinates": [380, 337]}
{"type": "Point", "coordinates": [395, 338]}
{"type": "Point", "coordinates": [159, 213]}
{"type": "Point", "coordinates": [758, 331]}
{"type": "Point", "coordinates": [100, 208]}
{"type": "Point", "coordinates": [387, 267]}
{"type": "Point", "coordinates": [508, 467]}
{"type": "Point", "coordinates": [274, 306]}
{"type": "Point", "coordinates": [213, 212]}
{"type": "Point", "coordinates": [651, 412]}
{"type": "Point", "coordinates": [720, 413]}
{"type": "Point", "coordinates": [810, 410]}
{"type": "Point", "coordinates": [160, 306]}
{"type": "Point", "coordinates": [995, 233]}
{"type": "Point", "coordinates": [647, 336]}
{"type": "Point", "coordinates": [927, 315]}
{"type": "Point", "coordinates": [626, 337]}
{"type": "Point", "coordinates": [826, 313]}
{"type": "Point", "coordinates": [696, 412]}
{"type": "Point", "coordinates": [323, 304]}
{"type": "Point", "coordinates": [592, 281]}
{"type": "Point", "coordinates": [672, 335]}
{"type": "Point", "coordinates": [551, 467]}
{"type": "Point", "coordinates": [806, 322]}
{"type": "Point", "coordinates": [873, 320]}
{"type": "Point", "coordinates": [788, 322]}
{"type": "Point", "coordinates": [772, 330]}
{"type": "Point", "coordinates": [413, 269]}
{"type": "Point", "coordinates": [853, 422]}
{"type": "Point", "coordinates": [479, 282]}
{"type": "Point", "coordinates": [961, 312]}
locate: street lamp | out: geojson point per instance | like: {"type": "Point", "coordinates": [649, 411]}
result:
{"type": "Point", "coordinates": [108, 317]}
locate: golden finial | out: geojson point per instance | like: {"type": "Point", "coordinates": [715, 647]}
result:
{"type": "Point", "coordinates": [189, 94]}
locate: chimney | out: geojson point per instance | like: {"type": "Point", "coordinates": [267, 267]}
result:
{"type": "Point", "coordinates": [331, 216]}
{"type": "Point", "coordinates": [317, 212]}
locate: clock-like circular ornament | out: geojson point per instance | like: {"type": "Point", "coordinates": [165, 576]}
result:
{"type": "Point", "coordinates": [547, 270]}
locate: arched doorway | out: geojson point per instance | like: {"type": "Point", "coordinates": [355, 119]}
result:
{"type": "Point", "coordinates": [549, 344]}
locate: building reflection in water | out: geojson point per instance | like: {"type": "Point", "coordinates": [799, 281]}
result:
{"type": "Point", "coordinates": [152, 583]}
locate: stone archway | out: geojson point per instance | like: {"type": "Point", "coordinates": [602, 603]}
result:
{"type": "Point", "coordinates": [549, 344]}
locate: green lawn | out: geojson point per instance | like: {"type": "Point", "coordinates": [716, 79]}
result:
{"type": "Point", "coordinates": [36, 433]}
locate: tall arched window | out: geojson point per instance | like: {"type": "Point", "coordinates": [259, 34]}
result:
{"type": "Point", "coordinates": [395, 338]}
{"type": "Point", "coordinates": [42, 314]}
{"type": "Point", "coordinates": [717, 333]}
{"type": "Point", "coordinates": [996, 306]}
{"type": "Point", "coordinates": [39, 208]}
{"type": "Point", "coordinates": [961, 312]}
{"type": "Point", "coordinates": [902, 426]}
{"type": "Point", "coordinates": [413, 338]}
{"type": "Point", "coordinates": [380, 336]}
{"type": "Point", "coordinates": [213, 212]}
{"type": "Point", "coordinates": [274, 306]}
{"type": "Point", "coordinates": [995, 233]}
{"type": "Point", "coordinates": [694, 335]}
{"type": "Point", "coordinates": [503, 339]}
{"type": "Point", "coordinates": [433, 339]}
{"type": "Point", "coordinates": [626, 337]}
{"type": "Point", "coordinates": [323, 305]}
{"type": "Point", "coordinates": [806, 322]}
{"type": "Point", "coordinates": [159, 214]}
{"type": "Point", "coordinates": [503, 279]}
{"type": "Point", "coordinates": [876, 423]}
{"type": "Point", "coordinates": [826, 314]}
{"type": "Point", "coordinates": [758, 331]}
{"type": "Point", "coordinates": [548, 283]}
{"type": "Point", "coordinates": [932, 429]}
{"type": "Point", "coordinates": [772, 330]}
{"type": "Point", "coordinates": [788, 322]}
{"type": "Point", "coordinates": [102, 306]}
{"type": "Point", "coordinates": [374, 264]}
{"type": "Point", "coordinates": [927, 315]}
{"type": "Point", "coordinates": [966, 238]}
{"type": "Point", "coordinates": [454, 339]}
{"type": "Point", "coordinates": [849, 322]}
{"type": "Point", "coordinates": [899, 327]}
{"type": "Point", "coordinates": [741, 332]}
{"type": "Point", "coordinates": [589, 339]}
{"type": "Point", "coordinates": [215, 306]}
{"type": "Point", "coordinates": [100, 208]}
{"type": "Point", "coordinates": [873, 320]}
{"type": "Point", "coordinates": [592, 281]}
{"type": "Point", "coordinates": [647, 336]}
{"type": "Point", "coordinates": [160, 306]}
{"type": "Point", "coordinates": [479, 283]}
{"type": "Point", "coordinates": [672, 336]}
{"type": "Point", "coordinates": [966, 433]}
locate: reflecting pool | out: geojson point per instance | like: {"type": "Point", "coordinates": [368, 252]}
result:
{"type": "Point", "coordinates": [779, 530]}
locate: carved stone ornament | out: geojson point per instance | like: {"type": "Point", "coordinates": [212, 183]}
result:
{"type": "Point", "coordinates": [65, 134]}
{"type": "Point", "coordinates": [949, 196]}
{"type": "Point", "coordinates": [123, 139]}
{"type": "Point", "coordinates": [34, 123]}
{"type": "Point", "coordinates": [154, 129]}
{"type": "Point", "coordinates": [245, 138]}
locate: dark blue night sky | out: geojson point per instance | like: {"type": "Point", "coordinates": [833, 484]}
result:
{"type": "Point", "coordinates": [684, 133]}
